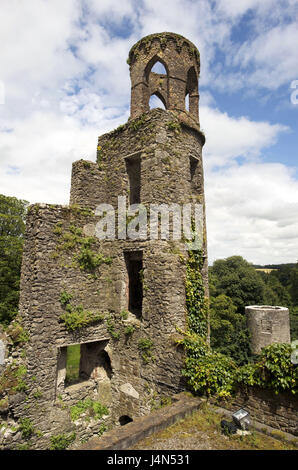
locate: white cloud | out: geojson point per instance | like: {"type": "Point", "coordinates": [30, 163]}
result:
{"type": "Point", "coordinates": [272, 56]}
{"type": "Point", "coordinates": [251, 207]}
{"type": "Point", "coordinates": [36, 157]}
{"type": "Point", "coordinates": [228, 138]}
{"type": "Point", "coordinates": [35, 55]}
{"type": "Point", "coordinates": [66, 82]}
{"type": "Point", "coordinates": [252, 211]}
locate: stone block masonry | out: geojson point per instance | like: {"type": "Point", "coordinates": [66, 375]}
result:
{"type": "Point", "coordinates": [267, 324]}
{"type": "Point", "coordinates": [119, 300]}
{"type": "Point", "coordinates": [276, 410]}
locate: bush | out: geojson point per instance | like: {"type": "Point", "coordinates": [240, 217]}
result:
{"type": "Point", "coordinates": [92, 408]}
{"type": "Point", "coordinates": [26, 428]}
{"type": "Point", "coordinates": [212, 373]}
{"type": "Point", "coordinates": [76, 317]}
{"type": "Point", "coordinates": [89, 261]}
{"type": "Point", "coordinates": [17, 333]}
{"type": "Point", "coordinates": [207, 372]}
{"type": "Point", "coordinates": [145, 345]}
{"type": "Point", "coordinates": [61, 441]}
{"type": "Point", "coordinates": [272, 369]}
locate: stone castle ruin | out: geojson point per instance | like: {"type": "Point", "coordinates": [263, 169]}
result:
{"type": "Point", "coordinates": [121, 300]}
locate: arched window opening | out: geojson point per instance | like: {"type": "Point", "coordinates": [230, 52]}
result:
{"type": "Point", "coordinates": [156, 102]}
{"type": "Point", "coordinates": [192, 90]}
{"type": "Point", "coordinates": [123, 420]}
{"type": "Point", "coordinates": [159, 68]}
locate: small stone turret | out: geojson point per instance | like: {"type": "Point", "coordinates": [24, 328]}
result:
{"type": "Point", "coordinates": [181, 60]}
{"type": "Point", "coordinates": [267, 324]}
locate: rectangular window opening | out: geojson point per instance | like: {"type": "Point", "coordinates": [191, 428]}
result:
{"type": "Point", "coordinates": [134, 266]}
{"type": "Point", "coordinates": [133, 168]}
{"type": "Point", "coordinates": [79, 363]}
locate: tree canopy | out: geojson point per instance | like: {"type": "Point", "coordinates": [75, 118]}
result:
{"type": "Point", "coordinates": [12, 229]}
{"type": "Point", "coordinates": [234, 283]}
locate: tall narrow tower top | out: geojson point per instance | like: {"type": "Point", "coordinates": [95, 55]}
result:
{"type": "Point", "coordinates": [181, 60]}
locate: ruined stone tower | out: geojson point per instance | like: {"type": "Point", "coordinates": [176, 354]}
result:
{"type": "Point", "coordinates": [121, 299]}
{"type": "Point", "coordinates": [267, 324]}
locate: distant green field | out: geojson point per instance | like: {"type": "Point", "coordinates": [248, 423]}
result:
{"type": "Point", "coordinates": [72, 364]}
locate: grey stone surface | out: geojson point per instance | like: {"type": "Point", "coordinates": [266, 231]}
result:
{"type": "Point", "coordinates": [2, 352]}
{"type": "Point", "coordinates": [129, 390]}
{"type": "Point", "coordinates": [267, 324]}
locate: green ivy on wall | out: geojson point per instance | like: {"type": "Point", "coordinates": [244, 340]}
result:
{"type": "Point", "coordinates": [211, 373]}
{"type": "Point", "coordinates": [196, 302]}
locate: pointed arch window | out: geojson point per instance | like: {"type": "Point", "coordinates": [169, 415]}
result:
{"type": "Point", "coordinates": [156, 77]}
{"type": "Point", "coordinates": [159, 68]}
{"type": "Point", "coordinates": [156, 101]}
{"type": "Point", "coordinates": [192, 91]}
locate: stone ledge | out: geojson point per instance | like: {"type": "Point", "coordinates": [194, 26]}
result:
{"type": "Point", "coordinates": [262, 428]}
{"type": "Point", "coordinates": [123, 437]}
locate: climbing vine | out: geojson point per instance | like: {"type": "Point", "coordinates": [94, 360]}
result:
{"type": "Point", "coordinates": [196, 302]}
{"type": "Point", "coordinates": [211, 373]}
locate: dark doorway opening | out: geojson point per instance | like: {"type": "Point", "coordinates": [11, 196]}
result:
{"type": "Point", "coordinates": [134, 266]}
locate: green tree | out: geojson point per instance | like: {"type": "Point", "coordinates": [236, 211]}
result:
{"type": "Point", "coordinates": [275, 293]}
{"type": "Point", "coordinates": [12, 228]}
{"type": "Point", "coordinates": [228, 332]}
{"type": "Point", "coordinates": [294, 285]}
{"type": "Point", "coordinates": [239, 280]}
{"type": "Point", "coordinates": [294, 323]}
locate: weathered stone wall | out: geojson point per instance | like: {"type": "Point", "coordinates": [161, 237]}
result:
{"type": "Point", "coordinates": [50, 266]}
{"type": "Point", "coordinates": [49, 270]}
{"type": "Point", "coordinates": [276, 410]}
{"type": "Point", "coordinates": [126, 358]}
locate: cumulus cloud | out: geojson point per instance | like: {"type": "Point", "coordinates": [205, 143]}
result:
{"type": "Point", "coordinates": [272, 56]}
{"type": "Point", "coordinates": [229, 138]}
{"type": "Point", "coordinates": [66, 82]}
{"type": "Point", "coordinates": [252, 211]}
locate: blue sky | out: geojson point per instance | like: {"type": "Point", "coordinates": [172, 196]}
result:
{"type": "Point", "coordinates": [64, 80]}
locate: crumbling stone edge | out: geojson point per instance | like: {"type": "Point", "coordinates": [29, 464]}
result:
{"type": "Point", "coordinates": [122, 438]}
